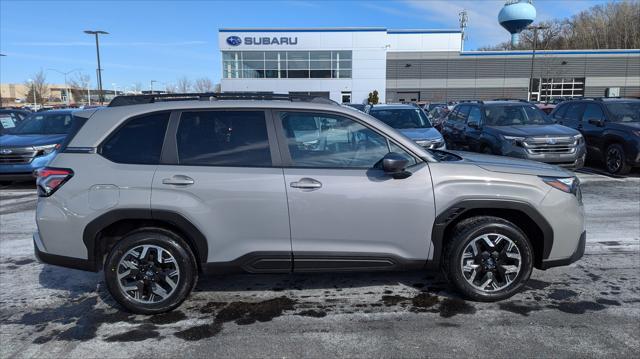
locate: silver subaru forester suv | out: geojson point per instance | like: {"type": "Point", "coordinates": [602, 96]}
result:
{"type": "Point", "coordinates": [158, 189]}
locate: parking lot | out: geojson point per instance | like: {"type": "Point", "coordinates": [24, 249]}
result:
{"type": "Point", "coordinates": [591, 308]}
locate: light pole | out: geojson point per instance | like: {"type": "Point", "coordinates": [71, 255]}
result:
{"type": "Point", "coordinates": [115, 89]}
{"type": "Point", "coordinates": [151, 88]}
{"type": "Point", "coordinates": [1, 55]}
{"type": "Point", "coordinates": [96, 33]}
{"type": "Point", "coordinates": [35, 100]}
{"type": "Point", "coordinates": [66, 86]}
{"type": "Point", "coordinates": [533, 54]}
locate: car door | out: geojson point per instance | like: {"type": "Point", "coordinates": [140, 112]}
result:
{"type": "Point", "coordinates": [573, 117]}
{"type": "Point", "coordinates": [221, 173]}
{"type": "Point", "coordinates": [593, 122]}
{"type": "Point", "coordinates": [458, 127]}
{"type": "Point", "coordinates": [473, 129]}
{"type": "Point", "coordinates": [344, 213]}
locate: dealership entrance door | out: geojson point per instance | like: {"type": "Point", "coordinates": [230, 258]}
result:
{"type": "Point", "coordinates": [408, 97]}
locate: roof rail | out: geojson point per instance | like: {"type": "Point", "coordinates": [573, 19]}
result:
{"type": "Point", "coordinates": [127, 100]}
{"type": "Point", "coordinates": [511, 99]}
{"type": "Point", "coordinates": [470, 101]}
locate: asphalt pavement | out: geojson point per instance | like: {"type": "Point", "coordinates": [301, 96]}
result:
{"type": "Point", "coordinates": [588, 309]}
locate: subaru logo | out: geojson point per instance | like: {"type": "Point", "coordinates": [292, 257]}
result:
{"type": "Point", "coordinates": [234, 40]}
{"type": "Point", "coordinates": [5, 151]}
{"type": "Point", "coordinates": [551, 141]}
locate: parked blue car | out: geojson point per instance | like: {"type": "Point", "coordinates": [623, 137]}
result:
{"type": "Point", "coordinates": [33, 143]}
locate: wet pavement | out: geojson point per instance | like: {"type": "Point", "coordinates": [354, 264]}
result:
{"type": "Point", "coordinates": [588, 309]}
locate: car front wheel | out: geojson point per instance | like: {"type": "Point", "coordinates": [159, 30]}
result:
{"type": "Point", "coordinates": [488, 258]}
{"type": "Point", "coordinates": [150, 271]}
{"type": "Point", "coordinates": [615, 160]}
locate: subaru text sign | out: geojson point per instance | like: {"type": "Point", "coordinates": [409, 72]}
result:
{"type": "Point", "coordinates": [263, 40]}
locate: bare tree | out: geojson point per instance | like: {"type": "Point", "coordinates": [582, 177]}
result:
{"type": "Point", "coordinates": [614, 25]}
{"type": "Point", "coordinates": [79, 85]}
{"type": "Point", "coordinates": [137, 87]}
{"type": "Point", "coordinates": [203, 84]}
{"type": "Point", "coordinates": [170, 88]}
{"type": "Point", "coordinates": [37, 86]}
{"type": "Point", "coordinates": [183, 84]}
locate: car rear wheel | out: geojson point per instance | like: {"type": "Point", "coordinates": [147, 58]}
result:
{"type": "Point", "coordinates": [488, 258]}
{"type": "Point", "coordinates": [615, 160]}
{"type": "Point", "coordinates": [150, 271]}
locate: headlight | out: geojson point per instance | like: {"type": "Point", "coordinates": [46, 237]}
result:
{"type": "Point", "coordinates": [516, 140]}
{"type": "Point", "coordinates": [565, 184]}
{"type": "Point", "coordinates": [578, 138]}
{"type": "Point", "coordinates": [45, 150]}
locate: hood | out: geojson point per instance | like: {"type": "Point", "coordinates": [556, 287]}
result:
{"type": "Point", "coordinates": [506, 164]}
{"type": "Point", "coordinates": [10, 140]}
{"type": "Point", "coordinates": [534, 130]}
{"type": "Point", "coordinates": [421, 133]}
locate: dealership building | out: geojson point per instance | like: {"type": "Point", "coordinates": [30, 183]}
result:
{"type": "Point", "coordinates": [346, 64]}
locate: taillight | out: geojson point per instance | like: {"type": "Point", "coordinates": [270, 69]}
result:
{"type": "Point", "coordinates": [49, 179]}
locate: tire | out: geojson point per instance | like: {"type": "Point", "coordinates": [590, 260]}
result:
{"type": "Point", "coordinates": [164, 285]}
{"type": "Point", "coordinates": [486, 150]}
{"type": "Point", "coordinates": [615, 160]}
{"type": "Point", "coordinates": [503, 285]}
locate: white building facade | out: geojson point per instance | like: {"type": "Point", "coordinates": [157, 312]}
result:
{"type": "Point", "coordinates": [343, 64]}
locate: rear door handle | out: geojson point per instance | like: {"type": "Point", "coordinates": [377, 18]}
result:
{"type": "Point", "coordinates": [179, 180]}
{"type": "Point", "coordinates": [306, 183]}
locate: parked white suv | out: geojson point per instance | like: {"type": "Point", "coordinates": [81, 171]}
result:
{"type": "Point", "coordinates": [156, 191]}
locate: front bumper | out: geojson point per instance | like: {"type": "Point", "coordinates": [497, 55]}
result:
{"type": "Point", "coordinates": [577, 254]}
{"type": "Point", "coordinates": [63, 261]}
{"type": "Point", "coordinates": [573, 160]}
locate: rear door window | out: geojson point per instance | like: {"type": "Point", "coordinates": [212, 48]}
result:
{"type": "Point", "coordinates": [574, 111]}
{"type": "Point", "coordinates": [475, 115]}
{"type": "Point", "coordinates": [139, 141]}
{"type": "Point", "coordinates": [227, 138]}
{"type": "Point", "coordinates": [592, 112]}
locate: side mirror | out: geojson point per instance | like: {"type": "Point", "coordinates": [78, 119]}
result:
{"type": "Point", "coordinates": [596, 122]}
{"type": "Point", "coordinates": [394, 165]}
{"type": "Point", "coordinates": [474, 124]}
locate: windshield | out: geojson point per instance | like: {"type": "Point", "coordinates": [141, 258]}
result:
{"type": "Point", "coordinates": [501, 115]}
{"type": "Point", "coordinates": [45, 124]}
{"type": "Point", "coordinates": [401, 118]}
{"type": "Point", "coordinates": [625, 111]}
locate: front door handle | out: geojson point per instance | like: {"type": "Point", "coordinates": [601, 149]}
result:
{"type": "Point", "coordinates": [179, 180]}
{"type": "Point", "coordinates": [306, 183]}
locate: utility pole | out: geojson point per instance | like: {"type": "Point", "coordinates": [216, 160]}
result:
{"type": "Point", "coordinates": [96, 33]}
{"type": "Point", "coordinates": [533, 56]}
{"type": "Point", "coordinates": [463, 26]}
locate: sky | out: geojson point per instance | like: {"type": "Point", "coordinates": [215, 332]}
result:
{"type": "Point", "coordinates": [165, 40]}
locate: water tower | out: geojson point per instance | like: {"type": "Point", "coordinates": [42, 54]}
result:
{"type": "Point", "coordinates": [515, 16]}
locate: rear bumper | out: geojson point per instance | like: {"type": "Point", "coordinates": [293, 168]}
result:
{"type": "Point", "coordinates": [577, 254]}
{"type": "Point", "coordinates": [58, 260]}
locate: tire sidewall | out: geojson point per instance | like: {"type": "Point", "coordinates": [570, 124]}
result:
{"type": "Point", "coordinates": [170, 242]}
{"type": "Point", "coordinates": [511, 232]}
{"type": "Point", "coordinates": [606, 158]}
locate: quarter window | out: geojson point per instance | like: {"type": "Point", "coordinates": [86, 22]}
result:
{"type": "Point", "coordinates": [223, 138]}
{"type": "Point", "coordinates": [139, 141]}
{"type": "Point", "coordinates": [331, 141]}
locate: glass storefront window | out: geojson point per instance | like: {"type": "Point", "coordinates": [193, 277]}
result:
{"type": "Point", "coordinates": [286, 64]}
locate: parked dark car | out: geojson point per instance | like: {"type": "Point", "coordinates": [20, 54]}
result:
{"type": "Point", "coordinates": [411, 121]}
{"type": "Point", "coordinates": [611, 128]}
{"type": "Point", "coordinates": [513, 128]}
{"type": "Point", "coordinates": [10, 118]}
{"type": "Point", "coordinates": [33, 143]}
{"type": "Point", "coordinates": [357, 106]}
